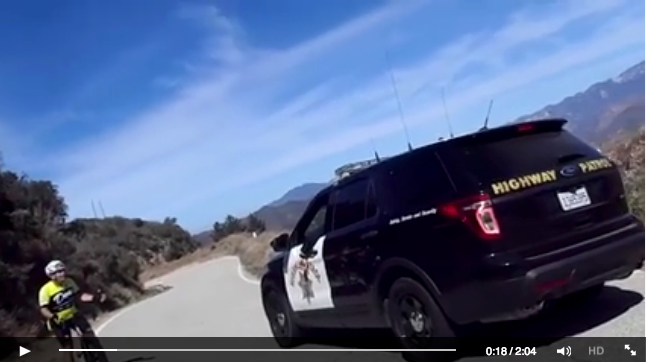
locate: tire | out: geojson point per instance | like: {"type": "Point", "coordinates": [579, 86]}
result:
{"type": "Point", "coordinates": [418, 322]}
{"type": "Point", "coordinates": [286, 331]}
{"type": "Point", "coordinates": [92, 342]}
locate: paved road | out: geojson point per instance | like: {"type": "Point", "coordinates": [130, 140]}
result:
{"type": "Point", "coordinates": [216, 299]}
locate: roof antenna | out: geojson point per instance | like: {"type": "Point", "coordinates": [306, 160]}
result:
{"type": "Point", "coordinates": [446, 114]}
{"type": "Point", "coordinates": [374, 148]}
{"type": "Point", "coordinates": [486, 122]}
{"type": "Point", "coordinates": [94, 209]}
{"type": "Point", "coordinates": [399, 105]}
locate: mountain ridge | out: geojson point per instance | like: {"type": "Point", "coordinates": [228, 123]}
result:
{"type": "Point", "coordinates": [593, 106]}
{"type": "Point", "coordinates": [299, 193]}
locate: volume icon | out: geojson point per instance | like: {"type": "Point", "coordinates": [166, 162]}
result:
{"type": "Point", "coordinates": [565, 351]}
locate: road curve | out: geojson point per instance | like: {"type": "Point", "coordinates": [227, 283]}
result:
{"type": "Point", "coordinates": [217, 299]}
{"type": "Point", "coordinates": [214, 299]}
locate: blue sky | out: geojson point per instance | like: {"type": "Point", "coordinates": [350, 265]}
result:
{"type": "Point", "coordinates": [196, 109]}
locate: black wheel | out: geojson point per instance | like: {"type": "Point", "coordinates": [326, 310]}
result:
{"type": "Point", "coordinates": [418, 322]}
{"type": "Point", "coordinates": [279, 313]}
{"type": "Point", "coordinates": [92, 342]}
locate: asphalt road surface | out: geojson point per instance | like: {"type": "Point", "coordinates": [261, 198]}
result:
{"type": "Point", "coordinates": [217, 299]}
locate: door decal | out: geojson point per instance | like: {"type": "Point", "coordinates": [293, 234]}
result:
{"type": "Point", "coordinates": [306, 280]}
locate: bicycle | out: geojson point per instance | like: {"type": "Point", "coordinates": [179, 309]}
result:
{"type": "Point", "coordinates": [90, 344]}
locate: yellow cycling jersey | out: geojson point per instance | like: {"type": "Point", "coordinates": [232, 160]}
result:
{"type": "Point", "coordinates": [59, 298]}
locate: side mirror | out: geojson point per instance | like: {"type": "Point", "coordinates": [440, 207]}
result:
{"type": "Point", "coordinates": [307, 253]}
{"type": "Point", "coordinates": [280, 243]}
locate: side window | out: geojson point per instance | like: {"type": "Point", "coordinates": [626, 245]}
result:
{"type": "Point", "coordinates": [350, 204]}
{"type": "Point", "coordinates": [311, 226]}
{"type": "Point", "coordinates": [316, 228]}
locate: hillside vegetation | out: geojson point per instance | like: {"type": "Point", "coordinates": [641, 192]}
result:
{"type": "Point", "coordinates": [107, 254]}
{"type": "Point", "coordinates": [628, 151]}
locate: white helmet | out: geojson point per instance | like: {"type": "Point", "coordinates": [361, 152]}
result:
{"type": "Point", "coordinates": [54, 267]}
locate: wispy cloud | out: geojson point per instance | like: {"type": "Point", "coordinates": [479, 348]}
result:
{"type": "Point", "coordinates": [226, 42]}
{"type": "Point", "coordinates": [225, 129]}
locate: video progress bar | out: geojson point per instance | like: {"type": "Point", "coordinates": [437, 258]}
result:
{"type": "Point", "coordinates": [255, 350]}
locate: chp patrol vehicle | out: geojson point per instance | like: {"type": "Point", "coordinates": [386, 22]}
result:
{"type": "Point", "coordinates": [480, 228]}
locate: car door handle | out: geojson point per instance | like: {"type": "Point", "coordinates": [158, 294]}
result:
{"type": "Point", "coordinates": [369, 234]}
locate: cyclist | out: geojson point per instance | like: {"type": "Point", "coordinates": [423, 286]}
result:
{"type": "Point", "coordinates": [57, 300]}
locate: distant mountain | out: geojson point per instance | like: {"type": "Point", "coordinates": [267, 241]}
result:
{"type": "Point", "coordinates": [604, 109]}
{"type": "Point", "coordinates": [283, 216]}
{"type": "Point", "coordinates": [303, 192]}
{"type": "Point", "coordinates": [203, 237]}
{"type": "Point", "coordinates": [283, 213]}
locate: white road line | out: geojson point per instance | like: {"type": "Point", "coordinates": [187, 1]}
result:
{"type": "Point", "coordinates": [241, 272]}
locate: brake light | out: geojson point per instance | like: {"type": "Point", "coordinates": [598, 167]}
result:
{"type": "Point", "coordinates": [525, 128]}
{"type": "Point", "coordinates": [477, 213]}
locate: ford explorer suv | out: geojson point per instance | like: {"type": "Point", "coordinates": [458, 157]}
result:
{"type": "Point", "coordinates": [480, 228]}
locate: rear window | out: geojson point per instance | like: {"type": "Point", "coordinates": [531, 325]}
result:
{"type": "Point", "coordinates": [524, 154]}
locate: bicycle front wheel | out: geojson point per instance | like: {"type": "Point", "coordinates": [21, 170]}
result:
{"type": "Point", "coordinates": [90, 343]}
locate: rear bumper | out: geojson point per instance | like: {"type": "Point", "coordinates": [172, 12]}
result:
{"type": "Point", "coordinates": [496, 299]}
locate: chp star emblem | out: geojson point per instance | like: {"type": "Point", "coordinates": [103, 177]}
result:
{"type": "Point", "coordinates": [306, 272]}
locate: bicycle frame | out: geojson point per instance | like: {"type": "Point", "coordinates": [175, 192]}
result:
{"type": "Point", "coordinates": [88, 342]}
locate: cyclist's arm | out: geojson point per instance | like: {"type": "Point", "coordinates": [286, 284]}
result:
{"type": "Point", "coordinates": [43, 302]}
{"type": "Point", "coordinates": [83, 296]}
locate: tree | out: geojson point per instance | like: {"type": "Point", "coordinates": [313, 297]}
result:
{"type": "Point", "coordinates": [218, 231]}
{"type": "Point", "coordinates": [254, 224]}
{"type": "Point", "coordinates": [232, 225]}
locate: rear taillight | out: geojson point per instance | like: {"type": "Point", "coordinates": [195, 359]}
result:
{"type": "Point", "coordinates": [476, 212]}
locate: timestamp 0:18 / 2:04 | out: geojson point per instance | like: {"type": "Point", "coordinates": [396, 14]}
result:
{"type": "Point", "coordinates": [510, 351]}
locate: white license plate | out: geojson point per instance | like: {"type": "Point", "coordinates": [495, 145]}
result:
{"type": "Point", "coordinates": [574, 200]}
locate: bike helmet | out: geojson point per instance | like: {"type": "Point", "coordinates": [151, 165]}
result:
{"type": "Point", "coordinates": [54, 267]}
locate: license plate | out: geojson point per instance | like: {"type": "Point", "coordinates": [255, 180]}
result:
{"type": "Point", "coordinates": [574, 200]}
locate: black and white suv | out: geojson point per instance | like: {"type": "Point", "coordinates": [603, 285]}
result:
{"type": "Point", "coordinates": [483, 227]}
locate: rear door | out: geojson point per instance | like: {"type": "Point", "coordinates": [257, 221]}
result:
{"type": "Point", "coordinates": [549, 188]}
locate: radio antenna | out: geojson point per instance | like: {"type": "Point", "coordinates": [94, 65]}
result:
{"type": "Point", "coordinates": [446, 114]}
{"type": "Point", "coordinates": [399, 105]}
{"type": "Point", "coordinates": [94, 209]}
{"type": "Point", "coordinates": [486, 122]}
{"type": "Point", "coordinates": [374, 148]}
{"type": "Point", "coordinates": [101, 208]}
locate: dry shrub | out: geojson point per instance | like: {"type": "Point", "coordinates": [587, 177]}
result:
{"type": "Point", "coordinates": [627, 151]}
{"type": "Point", "coordinates": [10, 325]}
{"type": "Point", "coordinates": [252, 252]}
{"type": "Point", "coordinates": [204, 253]}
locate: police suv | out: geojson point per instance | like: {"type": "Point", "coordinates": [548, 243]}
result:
{"type": "Point", "coordinates": [484, 227]}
